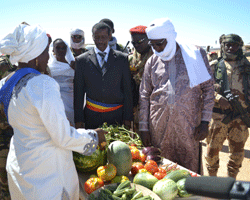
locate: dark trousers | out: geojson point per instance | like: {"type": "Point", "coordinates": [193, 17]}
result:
{"type": "Point", "coordinates": [96, 119]}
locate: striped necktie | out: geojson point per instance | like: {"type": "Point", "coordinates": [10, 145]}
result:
{"type": "Point", "coordinates": [103, 66]}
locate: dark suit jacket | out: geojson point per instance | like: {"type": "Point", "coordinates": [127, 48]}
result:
{"type": "Point", "coordinates": [112, 88]}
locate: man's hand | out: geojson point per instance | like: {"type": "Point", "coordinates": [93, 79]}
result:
{"type": "Point", "coordinates": [127, 124]}
{"type": "Point", "coordinates": [79, 125]}
{"type": "Point", "coordinates": [146, 138]}
{"type": "Point", "coordinates": [101, 137]}
{"type": "Point", "coordinates": [224, 104]}
{"type": "Point", "coordinates": [201, 131]}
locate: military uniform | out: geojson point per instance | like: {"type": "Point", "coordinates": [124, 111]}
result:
{"type": "Point", "coordinates": [236, 131]}
{"type": "Point", "coordinates": [6, 133]}
{"type": "Point", "coordinates": [137, 63]}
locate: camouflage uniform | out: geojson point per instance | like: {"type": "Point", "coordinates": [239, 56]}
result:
{"type": "Point", "coordinates": [137, 63]}
{"type": "Point", "coordinates": [83, 50]}
{"type": "Point", "coordinates": [6, 133]}
{"type": "Point", "coordinates": [236, 132]}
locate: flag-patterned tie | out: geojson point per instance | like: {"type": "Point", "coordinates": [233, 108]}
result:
{"type": "Point", "coordinates": [103, 66]}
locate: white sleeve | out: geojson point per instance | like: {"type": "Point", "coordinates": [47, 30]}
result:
{"type": "Point", "coordinates": [52, 113]}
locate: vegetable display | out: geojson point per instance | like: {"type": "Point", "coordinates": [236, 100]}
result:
{"type": "Point", "coordinates": [90, 163]}
{"type": "Point", "coordinates": [93, 184]}
{"type": "Point", "coordinates": [145, 179]}
{"type": "Point", "coordinates": [166, 189]}
{"type": "Point", "coordinates": [178, 174]}
{"type": "Point", "coordinates": [152, 153]}
{"type": "Point", "coordinates": [123, 191]}
{"type": "Point", "coordinates": [120, 133]}
{"type": "Point", "coordinates": [106, 172]}
{"type": "Point", "coordinates": [119, 155]}
{"type": "Point", "coordinates": [182, 192]}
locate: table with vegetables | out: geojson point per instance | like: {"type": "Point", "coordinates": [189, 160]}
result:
{"type": "Point", "coordinates": [126, 170]}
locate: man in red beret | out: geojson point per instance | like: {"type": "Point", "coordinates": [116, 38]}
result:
{"type": "Point", "coordinates": [137, 61]}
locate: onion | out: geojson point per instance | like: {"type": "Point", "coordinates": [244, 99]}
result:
{"type": "Point", "coordinates": [156, 158]}
{"type": "Point", "coordinates": [154, 151]}
{"type": "Point", "coordinates": [146, 150]}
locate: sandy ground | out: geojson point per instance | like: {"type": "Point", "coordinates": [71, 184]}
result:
{"type": "Point", "coordinates": [243, 175]}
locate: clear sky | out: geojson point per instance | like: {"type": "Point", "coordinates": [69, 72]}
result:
{"type": "Point", "coordinates": [198, 22]}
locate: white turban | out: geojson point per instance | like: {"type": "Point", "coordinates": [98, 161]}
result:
{"type": "Point", "coordinates": [79, 45]}
{"type": "Point", "coordinates": [24, 44]}
{"type": "Point", "coordinates": [163, 29]}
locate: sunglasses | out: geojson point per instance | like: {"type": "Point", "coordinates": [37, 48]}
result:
{"type": "Point", "coordinates": [156, 44]}
{"type": "Point", "coordinates": [77, 36]}
{"type": "Point", "coordinates": [139, 41]}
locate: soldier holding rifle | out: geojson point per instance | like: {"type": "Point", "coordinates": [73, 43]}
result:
{"type": "Point", "coordinates": [230, 119]}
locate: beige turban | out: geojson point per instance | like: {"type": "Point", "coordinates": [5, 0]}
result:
{"type": "Point", "coordinates": [24, 44]}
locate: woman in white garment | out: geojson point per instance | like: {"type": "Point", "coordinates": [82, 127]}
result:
{"type": "Point", "coordinates": [60, 69]}
{"type": "Point", "coordinates": [40, 164]}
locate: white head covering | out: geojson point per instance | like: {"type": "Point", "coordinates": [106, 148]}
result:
{"type": "Point", "coordinates": [24, 44]}
{"type": "Point", "coordinates": [163, 29]}
{"type": "Point", "coordinates": [79, 45]}
{"type": "Point", "coordinates": [58, 68]}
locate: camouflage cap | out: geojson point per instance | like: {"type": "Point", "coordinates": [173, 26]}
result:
{"type": "Point", "coordinates": [233, 38]}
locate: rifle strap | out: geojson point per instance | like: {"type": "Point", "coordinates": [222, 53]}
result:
{"type": "Point", "coordinates": [221, 76]}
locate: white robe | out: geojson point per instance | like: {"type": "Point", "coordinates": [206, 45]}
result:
{"type": "Point", "coordinates": [40, 163]}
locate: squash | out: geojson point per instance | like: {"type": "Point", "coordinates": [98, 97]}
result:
{"type": "Point", "coordinates": [90, 163]}
{"type": "Point", "coordinates": [178, 175]}
{"type": "Point", "coordinates": [166, 189]}
{"type": "Point", "coordinates": [145, 179]}
{"type": "Point", "coordinates": [182, 192]}
{"type": "Point", "coordinates": [120, 156]}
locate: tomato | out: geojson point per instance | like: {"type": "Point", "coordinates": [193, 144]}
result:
{"type": "Point", "coordinates": [106, 172]}
{"type": "Point", "coordinates": [161, 170]}
{"type": "Point", "coordinates": [136, 167]}
{"type": "Point", "coordinates": [135, 153]}
{"type": "Point", "coordinates": [159, 175]}
{"type": "Point", "coordinates": [93, 184]}
{"type": "Point", "coordinates": [143, 157]}
{"type": "Point", "coordinates": [152, 162]}
{"type": "Point", "coordinates": [151, 166]}
{"type": "Point", "coordinates": [133, 145]}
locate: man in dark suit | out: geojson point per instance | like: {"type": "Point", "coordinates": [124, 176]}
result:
{"type": "Point", "coordinates": [103, 74]}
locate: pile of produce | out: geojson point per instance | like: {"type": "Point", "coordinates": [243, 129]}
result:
{"type": "Point", "coordinates": [90, 163]}
{"type": "Point", "coordinates": [120, 133]}
{"type": "Point", "coordinates": [166, 187]}
{"type": "Point", "coordinates": [99, 158]}
{"type": "Point", "coordinates": [123, 191]}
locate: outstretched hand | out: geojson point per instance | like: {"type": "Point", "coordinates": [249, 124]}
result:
{"type": "Point", "coordinates": [101, 137]}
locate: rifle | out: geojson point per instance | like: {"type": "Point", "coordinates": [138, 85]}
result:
{"type": "Point", "coordinates": [238, 110]}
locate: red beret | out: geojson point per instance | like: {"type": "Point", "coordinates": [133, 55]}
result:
{"type": "Point", "coordinates": [138, 30]}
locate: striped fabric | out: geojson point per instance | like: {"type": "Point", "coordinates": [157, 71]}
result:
{"type": "Point", "coordinates": [101, 107]}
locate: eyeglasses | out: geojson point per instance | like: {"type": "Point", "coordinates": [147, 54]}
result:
{"type": "Point", "coordinates": [139, 41]}
{"type": "Point", "coordinates": [76, 36]}
{"type": "Point", "coordinates": [156, 44]}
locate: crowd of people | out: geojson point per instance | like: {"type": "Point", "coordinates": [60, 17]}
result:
{"type": "Point", "coordinates": [54, 97]}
